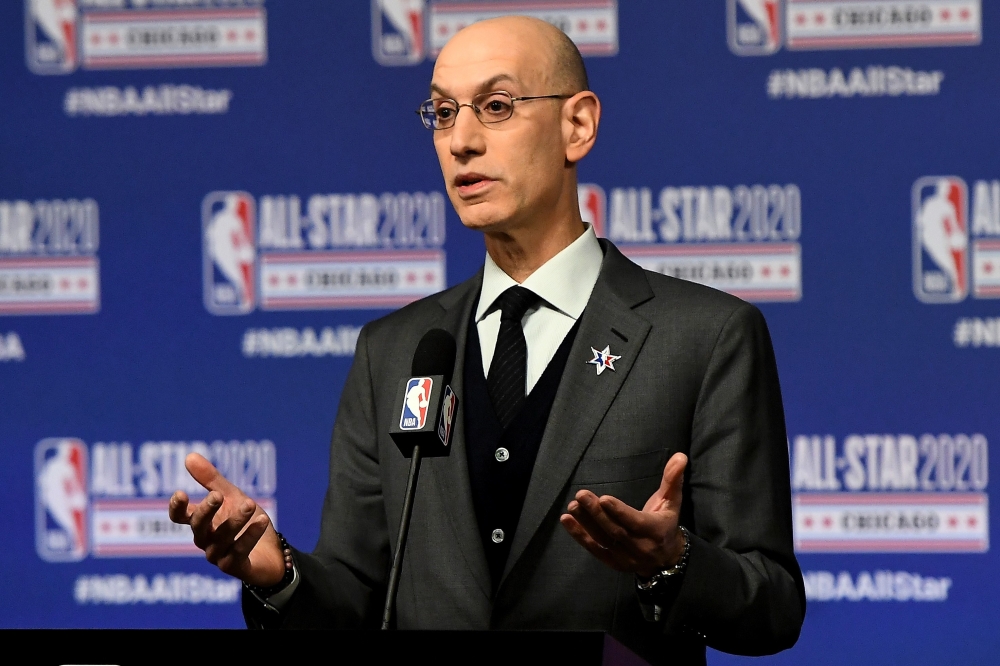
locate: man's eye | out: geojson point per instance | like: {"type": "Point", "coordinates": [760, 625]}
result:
{"type": "Point", "coordinates": [445, 112]}
{"type": "Point", "coordinates": [496, 106]}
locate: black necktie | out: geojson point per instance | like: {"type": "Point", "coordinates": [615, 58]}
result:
{"type": "Point", "coordinates": [508, 370]}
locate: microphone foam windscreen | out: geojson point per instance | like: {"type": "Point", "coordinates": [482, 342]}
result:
{"type": "Point", "coordinates": [435, 355]}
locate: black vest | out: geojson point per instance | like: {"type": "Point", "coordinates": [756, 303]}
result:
{"type": "Point", "coordinates": [500, 461]}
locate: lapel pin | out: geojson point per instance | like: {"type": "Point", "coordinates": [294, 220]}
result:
{"type": "Point", "coordinates": [603, 359]}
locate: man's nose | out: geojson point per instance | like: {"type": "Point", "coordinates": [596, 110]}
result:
{"type": "Point", "coordinates": [467, 133]}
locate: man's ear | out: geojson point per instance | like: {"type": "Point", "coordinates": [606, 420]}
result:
{"type": "Point", "coordinates": [581, 116]}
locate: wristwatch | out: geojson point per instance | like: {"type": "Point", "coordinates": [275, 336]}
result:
{"type": "Point", "coordinates": [658, 586]}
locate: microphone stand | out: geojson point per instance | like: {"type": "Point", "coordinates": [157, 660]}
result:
{"type": "Point", "coordinates": [404, 527]}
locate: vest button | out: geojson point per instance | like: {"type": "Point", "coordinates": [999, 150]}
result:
{"type": "Point", "coordinates": [497, 536]}
{"type": "Point", "coordinates": [502, 454]}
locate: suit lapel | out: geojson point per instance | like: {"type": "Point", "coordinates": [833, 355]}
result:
{"type": "Point", "coordinates": [584, 396]}
{"type": "Point", "coordinates": [452, 472]}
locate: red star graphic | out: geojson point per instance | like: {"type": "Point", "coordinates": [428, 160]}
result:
{"type": "Point", "coordinates": [274, 280]}
{"type": "Point", "coordinates": [827, 521]}
{"type": "Point", "coordinates": [808, 522]}
{"type": "Point", "coordinates": [65, 284]}
{"type": "Point", "coordinates": [460, 26]}
{"type": "Point", "coordinates": [582, 26]}
{"type": "Point", "coordinates": [411, 277]}
{"type": "Point", "coordinates": [442, 29]}
{"type": "Point", "coordinates": [95, 39]}
{"type": "Point", "coordinates": [292, 280]}
{"type": "Point", "coordinates": [602, 25]}
{"type": "Point", "coordinates": [972, 521]}
{"type": "Point", "coordinates": [123, 527]}
{"type": "Point", "coordinates": [952, 521]}
{"type": "Point", "coordinates": [801, 19]}
{"type": "Point", "coordinates": [250, 35]}
{"type": "Point", "coordinates": [766, 271]}
{"type": "Point", "coordinates": [988, 267]}
{"type": "Point", "coordinates": [820, 19]}
{"type": "Point", "coordinates": [105, 527]}
{"type": "Point", "coordinates": [965, 14]}
{"type": "Point", "coordinates": [83, 283]}
{"type": "Point", "coordinates": [945, 15]}
{"type": "Point", "coordinates": [429, 277]}
{"type": "Point", "coordinates": [113, 38]}
{"type": "Point", "coordinates": [785, 270]}
{"type": "Point", "coordinates": [231, 36]}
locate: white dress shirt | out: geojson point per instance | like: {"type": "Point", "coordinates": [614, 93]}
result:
{"type": "Point", "coordinates": [564, 284]}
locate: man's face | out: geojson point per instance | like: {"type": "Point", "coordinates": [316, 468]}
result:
{"type": "Point", "coordinates": [500, 176]}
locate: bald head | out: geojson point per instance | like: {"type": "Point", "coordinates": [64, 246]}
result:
{"type": "Point", "coordinates": [549, 48]}
{"type": "Point", "coordinates": [512, 169]}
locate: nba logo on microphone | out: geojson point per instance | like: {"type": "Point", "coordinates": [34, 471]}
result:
{"type": "Point", "coordinates": [415, 402]}
{"type": "Point", "coordinates": [445, 423]}
{"type": "Point", "coordinates": [940, 239]}
{"type": "Point", "coordinates": [61, 500]}
{"type": "Point", "coordinates": [754, 26]}
{"type": "Point", "coordinates": [230, 252]}
{"type": "Point", "coordinates": [50, 34]}
{"type": "Point", "coordinates": [398, 31]}
{"type": "Point", "coordinates": [593, 206]}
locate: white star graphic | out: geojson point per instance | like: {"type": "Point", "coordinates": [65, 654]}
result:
{"type": "Point", "coordinates": [603, 359]}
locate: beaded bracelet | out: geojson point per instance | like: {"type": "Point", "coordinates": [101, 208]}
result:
{"type": "Point", "coordinates": [265, 592]}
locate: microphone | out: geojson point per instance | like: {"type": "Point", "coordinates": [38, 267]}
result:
{"type": "Point", "coordinates": [421, 427]}
{"type": "Point", "coordinates": [427, 403]}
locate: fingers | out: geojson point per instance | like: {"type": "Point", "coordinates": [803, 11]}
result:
{"type": "Point", "coordinates": [633, 521]}
{"type": "Point", "coordinates": [179, 508]}
{"type": "Point", "coordinates": [236, 561]}
{"type": "Point", "coordinates": [203, 516]}
{"type": "Point", "coordinates": [587, 511]}
{"type": "Point", "coordinates": [222, 538]}
{"type": "Point", "coordinates": [608, 556]}
{"type": "Point", "coordinates": [207, 475]}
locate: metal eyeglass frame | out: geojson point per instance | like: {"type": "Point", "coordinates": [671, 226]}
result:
{"type": "Point", "coordinates": [423, 108]}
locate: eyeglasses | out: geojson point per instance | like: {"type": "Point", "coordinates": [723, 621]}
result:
{"type": "Point", "coordinates": [491, 107]}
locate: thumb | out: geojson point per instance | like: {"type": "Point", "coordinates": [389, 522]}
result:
{"type": "Point", "coordinates": [670, 492]}
{"type": "Point", "coordinates": [207, 475]}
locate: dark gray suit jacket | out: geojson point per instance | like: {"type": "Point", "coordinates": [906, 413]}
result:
{"type": "Point", "coordinates": [697, 374]}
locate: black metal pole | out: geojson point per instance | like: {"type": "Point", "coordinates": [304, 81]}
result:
{"type": "Point", "coordinates": [404, 527]}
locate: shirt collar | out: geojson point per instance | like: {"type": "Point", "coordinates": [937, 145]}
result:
{"type": "Point", "coordinates": [564, 282]}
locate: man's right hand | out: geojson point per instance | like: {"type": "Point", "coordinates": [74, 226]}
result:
{"type": "Point", "coordinates": [231, 528]}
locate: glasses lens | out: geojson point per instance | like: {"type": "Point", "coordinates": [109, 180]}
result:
{"type": "Point", "coordinates": [493, 107]}
{"type": "Point", "coordinates": [438, 113]}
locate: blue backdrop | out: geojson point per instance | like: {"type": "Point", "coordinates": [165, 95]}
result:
{"type": "Point", "coordinates": [201, 202]}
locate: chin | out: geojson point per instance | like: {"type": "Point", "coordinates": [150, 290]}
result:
{"type": "Point", "coordinates": [483, 216]}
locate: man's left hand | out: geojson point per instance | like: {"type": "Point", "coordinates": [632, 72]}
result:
{"type": "Point", "coordinates": [641, 542]}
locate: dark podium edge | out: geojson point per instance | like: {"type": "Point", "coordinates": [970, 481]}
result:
{"type": "Point", "coordinates": [192, 647]}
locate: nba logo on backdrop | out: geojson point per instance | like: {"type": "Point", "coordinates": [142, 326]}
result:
{"type": "Point", "coordinates": [415, 401]}
{"type": "Point", "coordinates": [230, 252]}
{"type": "Point", "coordinates": [762, 27]}
{"type": "Point", "coordinates": [940, 239]}
{"type": "Point", "coordinates": [398, 31]}
{"type": "Point", "coordinates": [754, 26]}
{"type": "Point", "coordinates": [50, 35]}
{"type": "Point", "coordinates": [61, 500]}
{"type": "Point", "coordinates": [593, 205]}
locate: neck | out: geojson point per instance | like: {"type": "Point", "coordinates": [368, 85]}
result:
{"type": "Point", "coordinates": [521, 252]}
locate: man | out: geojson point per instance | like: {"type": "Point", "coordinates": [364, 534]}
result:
{"type": "Point", "coordinates": [589, 387]}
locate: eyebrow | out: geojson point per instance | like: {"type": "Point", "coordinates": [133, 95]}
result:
{"type": "Point", "coordinates": [486, 86]}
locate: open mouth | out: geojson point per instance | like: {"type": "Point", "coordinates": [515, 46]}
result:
{"type": "Point", "coordinates": [471, 183]}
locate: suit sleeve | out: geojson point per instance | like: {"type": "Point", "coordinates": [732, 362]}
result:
{"type": "Point", "coordinates": [742, 590]}
{"type": "Point", "coordinates": [343, 581]}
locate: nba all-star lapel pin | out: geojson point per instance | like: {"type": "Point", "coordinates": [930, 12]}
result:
{"type": "Point", "coordinates": [604, 360]}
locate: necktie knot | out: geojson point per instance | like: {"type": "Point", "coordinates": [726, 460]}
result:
{"type": "Point", "coordinates": [514, 302]}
